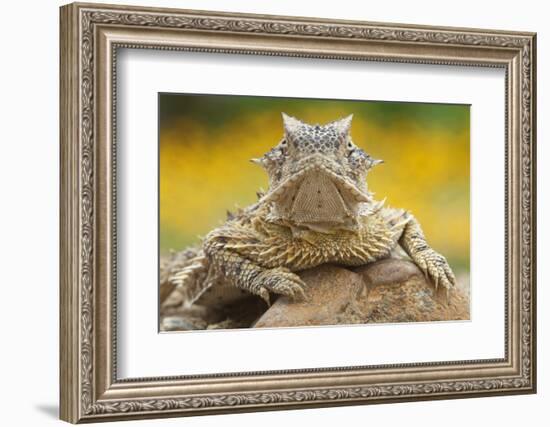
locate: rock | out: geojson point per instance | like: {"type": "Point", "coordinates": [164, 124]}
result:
{"type": "Point", "coordinates": [397, 291]}
{"type": "Point", "coordinates": [387, 291]}
{"type": "Point", "coordinates": [184, 318]}
{"type": "Point", "coordinates": [177, 323]}
{"type": "Point", "coordinates": [332, 295]}
{"type": "Point", "coordinates": [388, 271]}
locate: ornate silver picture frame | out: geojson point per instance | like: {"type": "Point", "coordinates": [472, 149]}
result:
{"type": "Point", "coordinates": [91, 36]}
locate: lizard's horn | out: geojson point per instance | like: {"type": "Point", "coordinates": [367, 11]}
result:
{"type": "Point", "coordinates": [290, 124]}
{"type": "Point", "coordinates": [257, 161]}
{"type": "Point", "coordinates": [344, 125]}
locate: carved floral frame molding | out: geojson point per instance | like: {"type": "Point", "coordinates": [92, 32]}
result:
{"type": "Point", "coordinates": [90, 37]}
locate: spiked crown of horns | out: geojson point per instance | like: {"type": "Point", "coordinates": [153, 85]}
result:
{"type": "Point", "coordinates": [314, 138]}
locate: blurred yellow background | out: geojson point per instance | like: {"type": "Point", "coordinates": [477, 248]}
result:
{"type": "Point", "coordinates": [206, 142]}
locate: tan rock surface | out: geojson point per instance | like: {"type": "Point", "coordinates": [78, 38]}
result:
{"type": "Point", "coordinates": [332, 295]}
{"type": "Point", "coordinates": [387, 291]}
{"type": "Point", "coordinates": [399, 292]}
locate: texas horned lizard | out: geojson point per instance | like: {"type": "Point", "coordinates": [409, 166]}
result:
{"type": "Point", "coordinates": [317, 210]}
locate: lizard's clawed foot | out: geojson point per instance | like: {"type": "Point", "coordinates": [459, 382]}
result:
{"type": "Point", "coordinates": [279, 281]}
{"type": "Point", "coordinates": [436, 268]}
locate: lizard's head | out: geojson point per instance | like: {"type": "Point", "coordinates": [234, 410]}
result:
{"type": "Point", "coordinates": [317, 175]}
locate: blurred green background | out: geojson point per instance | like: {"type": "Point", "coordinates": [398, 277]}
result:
{"type": "Point", "coordinates": [206, 142]}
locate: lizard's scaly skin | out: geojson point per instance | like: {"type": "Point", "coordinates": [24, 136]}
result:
{"type": "Point", "coordinates": [317, 211]}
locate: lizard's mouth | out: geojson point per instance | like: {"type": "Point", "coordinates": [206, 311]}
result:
{"type": "Point", "coordinates": [317, 197]}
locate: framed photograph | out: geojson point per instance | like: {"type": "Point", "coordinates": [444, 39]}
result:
{"type": "Point", "coordinates": [266, 212]}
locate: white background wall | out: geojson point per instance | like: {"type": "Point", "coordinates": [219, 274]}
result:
{"type": "Point", "coordinates": [29, 170]}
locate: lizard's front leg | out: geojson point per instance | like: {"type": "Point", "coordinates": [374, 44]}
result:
{"type": "Point", "coordinates": [430, 262]}
{"type": "Point", "coordinates": [226, 248]}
